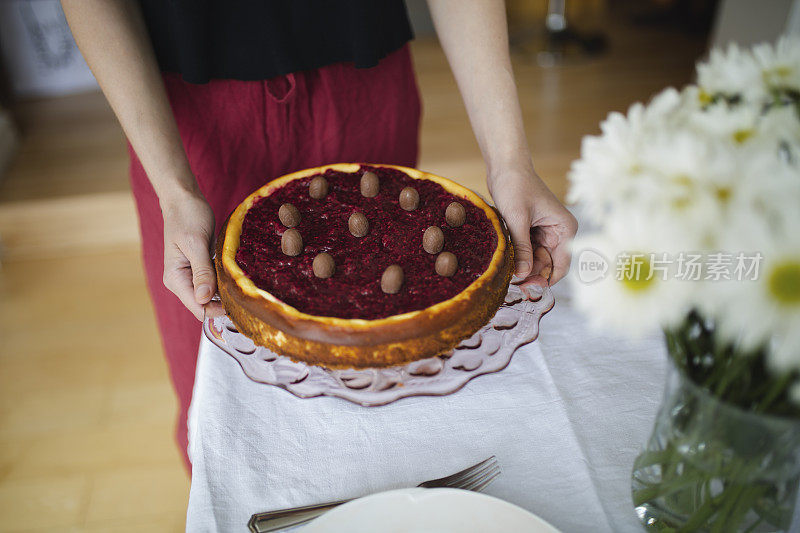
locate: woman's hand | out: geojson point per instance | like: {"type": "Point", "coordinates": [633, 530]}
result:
{"type": "Point", "coordinates": [533, 213]}
{"type": "Point", "coordinates": [114, 40]}
{"type": "Point", "coordinates": [474, 36]}
{"type": "Point", "coordinates": [188, 272]}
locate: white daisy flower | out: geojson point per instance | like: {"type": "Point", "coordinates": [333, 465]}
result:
{"type": "Point", "coordinates": [713, 172]}
{"type": "Point", "coordinates": [765, 310]}
{"type": "Point", "coordinates": [689, 181]}
{"type": "Point", "coordinates": [662, 106]}
{"type": "Point", "coordinates": [736, 124]}
{"type": "Point", "coordinates": [780, 64]}
{"type": "Point", "coordinates": [639, 293]}
{"type": "Point", "coordinates": [731, 73]}
{"type": "Point", "coordinates": [609, 165]}
{"type": "Point", "coordinates": [780, 126]}
{"type": "Point", "coordinates": [598, 179]}
{"type": "Point", "coordinates": [768, 193]}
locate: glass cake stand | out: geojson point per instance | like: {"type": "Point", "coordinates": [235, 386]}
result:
{"type": "Point", "coordinates": [489, 350]}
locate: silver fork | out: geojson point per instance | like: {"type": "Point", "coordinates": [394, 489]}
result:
{"type": "Point", "coordinates": [475, 478]}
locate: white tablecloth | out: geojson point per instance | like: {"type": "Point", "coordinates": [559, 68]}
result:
{"type": "Point", "coordinates": [565, 419]}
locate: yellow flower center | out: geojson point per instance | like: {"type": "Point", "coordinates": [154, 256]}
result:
{"type": "Point", "coordinates": [741, 136]}
{"type": "Point", "coordinates": [723, 194]}
{"type": "Point", "coordinates": [784, 283]}
{"type": "Point", "coordinates": [683, 199]}
{"type": "Point", "coordinates": [777, 76]}
{"type": "Point", "coordinates": [634, 273]}
{"type": "Point", "coordinates": [781, 71]}
{"type": "Point", "coordinates": [681, 202]}
{"type": "Point", "coordinates": [704, 97]}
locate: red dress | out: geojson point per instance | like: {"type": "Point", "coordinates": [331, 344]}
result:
{"type": "Point", "coordinates": [238, 135]}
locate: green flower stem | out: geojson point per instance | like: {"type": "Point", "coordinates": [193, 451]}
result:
{"type": "Point", "coordinates": [701, 515]}
{"type": "Point", "coordinates": [774, 515]}
{"type": "Point", "coordinates": [732, 510]}
{"type": "Point", "coordinates": [780, 387]}
{"type": "Point", "coordinates": [701, 441]}
{"type": "Point", "coordinates": [730, 374]}
{"type": "Point", "coordinates": [754, 525]}
{"type": "Point", "coordinates": [664, 489]}
{"type": "Point", "coordinates": [654, 457]}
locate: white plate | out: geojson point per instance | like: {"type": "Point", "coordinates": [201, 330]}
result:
{"type": "Point", "coordinates": [428, 511]}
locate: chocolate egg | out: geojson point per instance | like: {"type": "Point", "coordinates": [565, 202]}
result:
{"type": "Point", "coordinates": [370, 184]}
{"type": "Point", "coordinates": [409, 198]}
{"type": "Point", "coordinates": [291, 242]}
{"type": "Point", "coordinates": [446, 264]}
{"type": "Point", "coordinates": [358, 224]}
{"type": "Point", "coordinates": [323, 265]}
{"type": "Point", "coordinates": [433, 240]}
{"type": "Point", "coordinates": [318, 188]}
{"type": "Point", "coordinates": [455, 215]}
{"type": "Point", "coordinates": [392, 279]}
{"type": "Point", "coordinates": [289, 215]}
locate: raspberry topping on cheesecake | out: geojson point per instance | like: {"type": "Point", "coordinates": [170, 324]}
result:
{"type": "Point", "coordinates": [364, 226]}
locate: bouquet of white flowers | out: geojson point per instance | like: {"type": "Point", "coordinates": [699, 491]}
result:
{"type": "Point", "coordinates": [695, 202]}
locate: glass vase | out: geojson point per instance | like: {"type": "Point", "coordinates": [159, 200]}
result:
{"type": "Point", "coordinates": [712, 466]}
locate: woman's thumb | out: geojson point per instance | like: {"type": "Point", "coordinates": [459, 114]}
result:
{"type": "Point", "coordinates": [523, 251]}
{"type": "Point", "coordinates": [204, 276]}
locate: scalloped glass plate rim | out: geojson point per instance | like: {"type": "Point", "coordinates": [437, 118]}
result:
{"type": "Point", "coordinates": [489, 350]}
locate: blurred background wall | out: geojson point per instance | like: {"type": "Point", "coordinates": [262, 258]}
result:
{"type": "Point", "coordinates": [86, 409]}
{"type": "Point", "coordinates": [39, 54]}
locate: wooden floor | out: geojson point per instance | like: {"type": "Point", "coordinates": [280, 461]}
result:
{"type": "Point", "coordinates": [86, 409]}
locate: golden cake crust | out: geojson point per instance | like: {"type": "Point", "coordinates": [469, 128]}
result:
{"type": "Point", "coordinates": [340, 342]}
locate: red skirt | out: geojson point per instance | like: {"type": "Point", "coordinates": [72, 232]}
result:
{"type": "Point", "coordinates": [239, 135]}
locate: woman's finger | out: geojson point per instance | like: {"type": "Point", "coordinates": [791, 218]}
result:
{"type": "Point", "coordinates": [541, 269]}
{"type": "Point", "coordinates": [542, 262]}
{"type": "Point", "coordinates": [562, 257]}
{"type": "Point", "coordinates": [178, 279]}
{"type": "Point", "coordinates": [519, 225]}
{"type": "Point", "coordinates": [561, 260]}
{"type": "Point", "coordinates": [204, 277]}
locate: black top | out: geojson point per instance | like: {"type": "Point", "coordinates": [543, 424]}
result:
{"type": "Point", "coordinates": [261, 39]}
